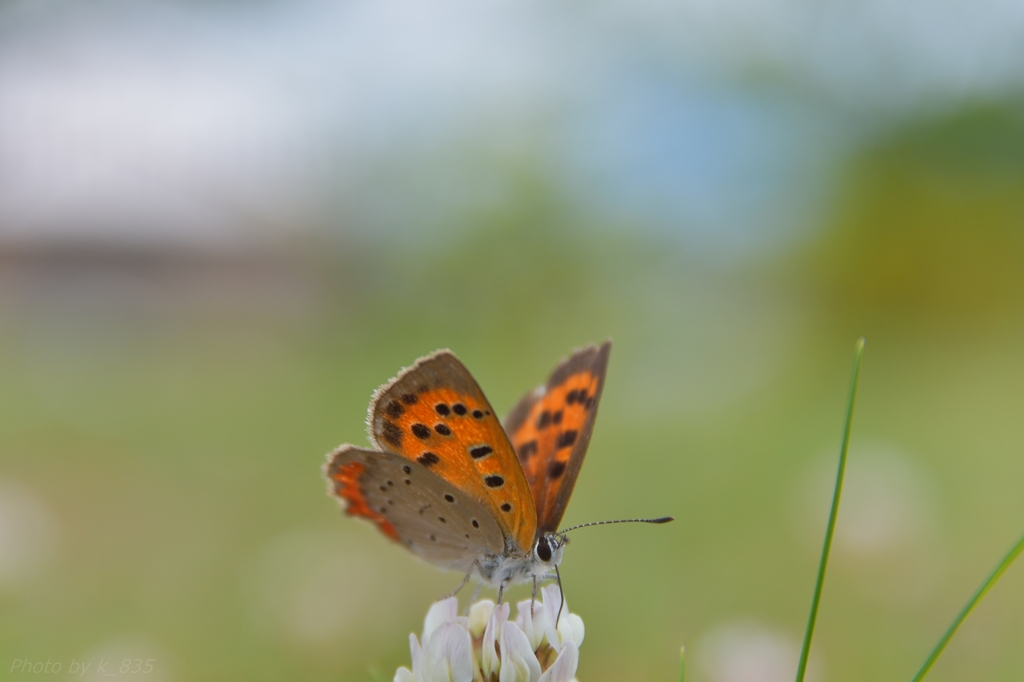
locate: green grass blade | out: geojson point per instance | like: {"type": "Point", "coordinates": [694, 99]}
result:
{"type": "Point", "coordinates": [985, 587]}
{"type": "Point", "coordinates": [682, 664]}
{"type": "Point", "coordinates": [830, 530]}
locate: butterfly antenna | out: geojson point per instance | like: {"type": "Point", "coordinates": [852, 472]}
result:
{"type": "Point", "coordinates": [663, 519]}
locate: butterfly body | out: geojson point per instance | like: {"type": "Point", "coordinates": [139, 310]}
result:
{"type": "Point", "coordinates": [456, 487]}
{"type": "Point", "coordinates": [515, 568]}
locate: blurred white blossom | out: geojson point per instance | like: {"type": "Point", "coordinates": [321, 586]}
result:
{"type": "Point", "coordinates": [29, 534]}
{"type": "Point", "coordinates": [538, 646]}
{"type": "Point", "coordinates": [746, 650]}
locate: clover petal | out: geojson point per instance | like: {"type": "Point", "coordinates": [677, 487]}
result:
{"type": "Point", "coordinates": [480, 616]}
{"type": "Point", "coordinates": [448, 654]}
{"type": "Point", "coordinates": [564, 667]}
{"type": "Point", "coordinates": [518, 661]}
{"type": "Point", "coordinates": [489, 661]}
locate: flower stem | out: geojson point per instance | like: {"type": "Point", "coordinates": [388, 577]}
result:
{"type": "Point", "coordinates": [830, 530]}
{"type": "Point", "coordinates": [985, 587]}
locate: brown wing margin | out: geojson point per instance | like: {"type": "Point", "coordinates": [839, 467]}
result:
{"type": "Point", "coordinates": [550, 429]}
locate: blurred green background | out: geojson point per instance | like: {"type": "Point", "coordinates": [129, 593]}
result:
{"type": "Point", "coordinates": [223, 225]}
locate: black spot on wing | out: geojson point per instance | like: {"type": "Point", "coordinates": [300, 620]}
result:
{"type": "Point", "coordinates": [394, 409]}
{"type": "Point", "coordinates": [459, 409]}
{"type": "Point", "coordinates": [556, 418]}
{"type": "Point", "coordinates": [556, 469]}
{"type": "Point", "coordinates": [527, 450]}
{"type": "Point", "coordinates": [428, 459]}
{"type": "Point", "coordinates": [391, 434]}
{"type": "Point", "coordinates": [409, 399]}
{"type": "Point", "coordinates": [442, 429]}
{"type": "Point", "coordinates": [442, 409]}
{"type": "Point", "coordinates": [421, 431]}
{"type": "Point", "coordinates": [449, 498]}
{"type": "Point", "coordinates": [477, 414]}
{"type": "Point", "coordinates": [506, 507]}
{"type": "Point", "coordinates": [494, 481]}
{"type": "Point", "coordinates": [543, 420]}
{"type": "Point", "coordinates": [566, 438]}
{"type": "Point", "coordinates": [480, 451]}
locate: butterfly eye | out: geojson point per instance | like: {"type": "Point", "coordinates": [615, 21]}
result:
{"type": "Point", "coordinates": [543, 550]}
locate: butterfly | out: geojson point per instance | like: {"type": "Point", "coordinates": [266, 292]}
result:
{"type": "Point", "coordinates": [457, 488]}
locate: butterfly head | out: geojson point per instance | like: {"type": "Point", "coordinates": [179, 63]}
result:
{"type": "Point", "coordinates": [549, 548]}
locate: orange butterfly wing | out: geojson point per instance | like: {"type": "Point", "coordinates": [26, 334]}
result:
{"type": "Point", "coordinates": [435, 414]}
{"type": "Point", "coordinates": [550, 429]}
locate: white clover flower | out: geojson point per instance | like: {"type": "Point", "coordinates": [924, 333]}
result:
{"type": "Point", "coordinates": [488, 647]}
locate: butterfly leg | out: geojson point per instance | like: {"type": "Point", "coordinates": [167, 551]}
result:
{"type": "Point", "coordinates": [465, 580]}
{"type": "Point", "coordinates": [533, 595]}
{"type": "Point", "coordinates": [476, 595]}
{"type": "Point", "coordinates": [501, 591]}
